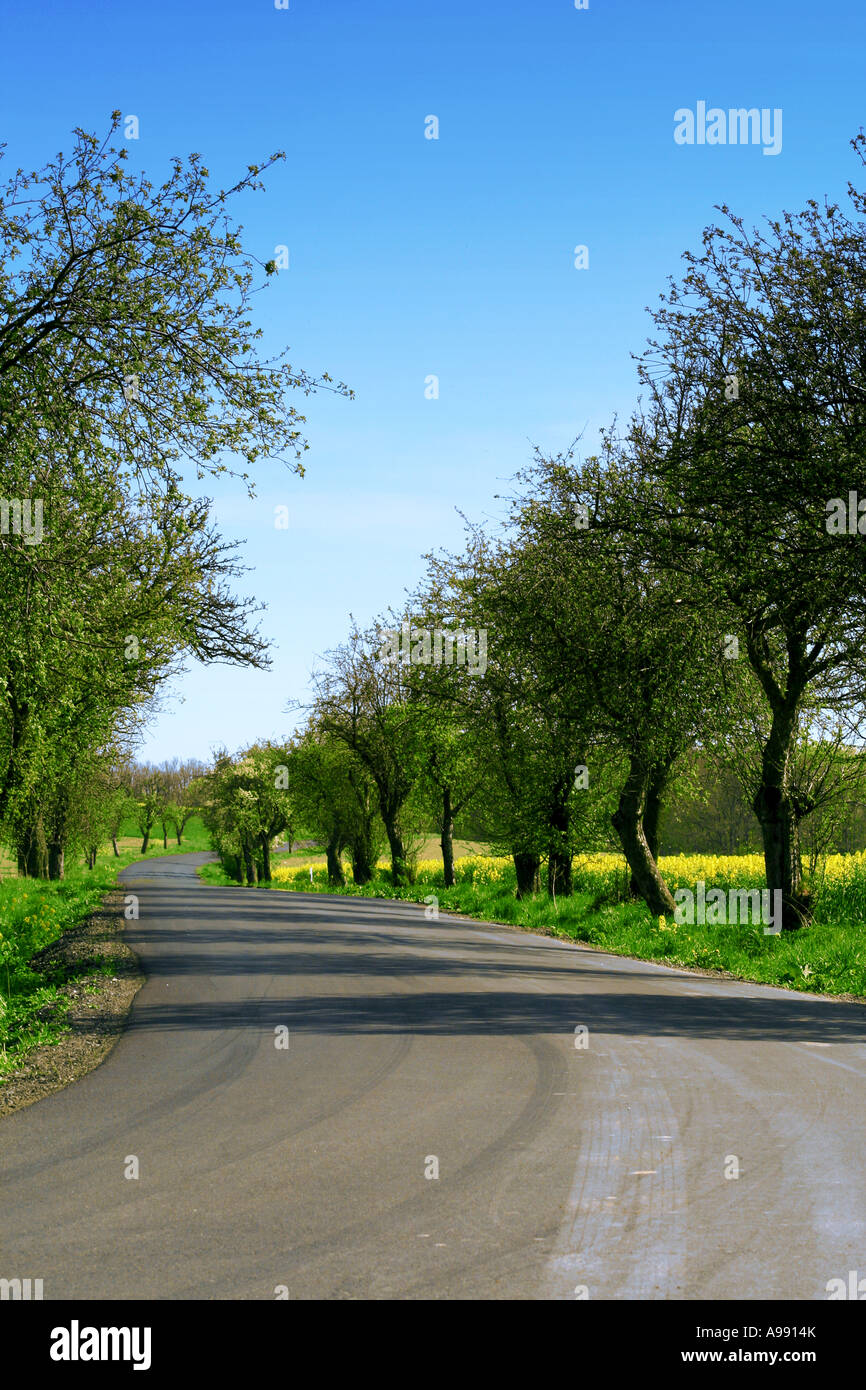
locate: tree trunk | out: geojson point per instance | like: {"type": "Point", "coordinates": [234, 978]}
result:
{"type": "Point", "coordinates": [164, 838]}
{"type": "Point", "coordinates": [446, 839]}
{"type": "Point", "coordinates": [35, 854]}
{"type": "Point", "coordinates": [779, 824]}
{"type": "Point", "coordinates": [266, 858]}
{"type": "Point", "coordinates": [558, 856]}
{"type": "Point", "coordinates": [651, 815]}
{"type": "Point", "coordinates": [653, 808]}
{"type": "Point", "coordinates": [56, 859]}
{"type": "Point", "coordinates": [528, 869]}
{"type": "Point", "coordinates": [336, 876]}
{"type": "Point", "coordinates": [399, 870]}
{"type": "Point", "coordinates": [362, 856]}
{"type": "Point", "coordinates": [18, 714]}
{"type": "Point", "coordinates": [145, 842]}
{"type": "Point", "coordinates": [249, 864]}
{"type": "Point", "coordinates": [559, 879]}
{"type": "Point", "coordinates": [114, 846]}
{"type": "Point", "coordinates": [361, 831]}
{"type": "Point", "coordinates": [627, 821]}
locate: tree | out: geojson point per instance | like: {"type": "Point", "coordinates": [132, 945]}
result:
{"type": "Point", "coordinates": [361, 700]}
{"type": "Point", "coordinates": [126, 354]}
{"type": "Point", "coordinates": [148, 790]}
{"type": "Point", "coordinates": [247, 805]}
{"type": "Point", "coordinates": [449, 778]}
{"type": "Point", "coordinates": [185, 785]}
{"type": "Point", "coordinates": [335, 798]}
{"type": "Point", "coordinates": [126, 304]}
{"type": "Point", "coordinates": [265, 768]}
{"type": "Point", "coordinates": [528, 737]}
{"type": "Point", "coordinates": [448, 773]}
{"type": "Point", "coordinates": [613, 637]}
{"type": "Point", "coordinates": [754, 434]}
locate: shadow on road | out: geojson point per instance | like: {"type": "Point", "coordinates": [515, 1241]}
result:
{"type": "Point", "coordinates": [515, 1012]}
{"type": "Point", "coordinates": [292, 936]}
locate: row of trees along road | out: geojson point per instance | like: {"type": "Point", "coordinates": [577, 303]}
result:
{"type": "Point", "coordinates": [681, 595]}
{"type": "Point", "coordinates": [162, 799]}
{"type": "Point", "coordinates": [155, 799]}
{"type": "Point", "coordinates": [128, 365]}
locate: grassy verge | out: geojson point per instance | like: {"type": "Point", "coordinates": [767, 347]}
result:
{"type": "Point", "coordinates": [828, 957]}
{"type": "Point", "coordinates": [34, 914]}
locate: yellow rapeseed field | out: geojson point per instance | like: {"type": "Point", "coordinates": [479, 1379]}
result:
{"type": "Point", "coordinates": [840, 883]}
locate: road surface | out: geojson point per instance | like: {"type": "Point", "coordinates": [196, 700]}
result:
{"type": "Point", "coordinates": [570, 1164]}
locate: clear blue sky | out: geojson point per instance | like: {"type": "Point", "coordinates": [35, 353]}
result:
{"type": "Point", "coordinates": [453, 257]}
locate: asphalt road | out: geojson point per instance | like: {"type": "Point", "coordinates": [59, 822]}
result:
{"type": "Point", "coordinates": [560, 1167]}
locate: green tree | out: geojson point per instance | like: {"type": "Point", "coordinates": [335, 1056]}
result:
{"type": "Point", "coordinates": [126, 304]}
{"type": "Point", "coordinates": [335, 798]}
{"type": "Point", "coordinates": [751, 443]}
{"type": "Point", "coordinates": [247, 804]}
{"type": "Point", "coordinates": [361, 700]}
{"type": "Point", "coordinates": [614, 640]}
{"type": "Point", "coordinates": [127, 358]}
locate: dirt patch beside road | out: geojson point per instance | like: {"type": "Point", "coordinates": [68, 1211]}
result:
{"type": "Point", "coordinates": [99, 1005]}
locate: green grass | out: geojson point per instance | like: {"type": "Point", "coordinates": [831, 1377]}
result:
{"type": "Point", "coordinates": [824, 958]}
{"type": "Point", "coordinates": [216, 875]}
{"type": "Point", "coordinates": [33, 914]}
{"type": "Point", "coordinates": [195, 837]}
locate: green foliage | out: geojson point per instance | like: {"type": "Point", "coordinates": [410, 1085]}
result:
{"type": "Point", "coordinates": [33, 915]}
{"type": "Point", "coordinates": [247, 804]}
{"type": "Point", "coordinates": [128, 361]}
{"type": "Point", "coordinates": [363, 702]}
{"type": "Point", "coordinates": [334, 795]}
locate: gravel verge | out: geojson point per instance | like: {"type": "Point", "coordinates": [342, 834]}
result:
{"type": "Point", "coordinates": [94, 1021]}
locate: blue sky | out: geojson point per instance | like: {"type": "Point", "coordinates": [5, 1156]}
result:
{"type": "Point", "coordinates": [454, 257]}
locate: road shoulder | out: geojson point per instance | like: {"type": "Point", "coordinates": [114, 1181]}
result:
{"type": "Point", "coordinates": [99, 1004]}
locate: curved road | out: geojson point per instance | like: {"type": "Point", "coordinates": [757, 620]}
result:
{"type": "Point", "coordinates": [562, 1168]}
